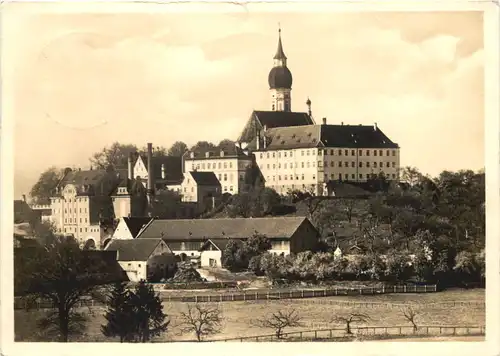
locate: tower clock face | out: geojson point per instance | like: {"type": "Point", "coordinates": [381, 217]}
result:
{"type": "Point", "coordinates": [69, 191]}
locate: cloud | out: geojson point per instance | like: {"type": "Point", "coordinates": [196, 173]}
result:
{"type": "Point", "coordinates": [160, 78]}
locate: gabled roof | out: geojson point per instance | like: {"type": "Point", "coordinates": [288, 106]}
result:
{"type": "Point", "coordinates": [173, 167]}
{"type": "Point", "coordinates": [220, 244]}
{"type": "Point", "coordinates": [228, 151]}
{"type": "Point", "coordinates": [345, 190]}
{"type": "Point", "coordinates": [135, 224]}
{"type": "Point", "coordinates": [345, 136]}
{"type": "Point", "coordinates": [237, 228]}
{"type": "Point", "coordinates": [272, 119]}
{"type": "Point", "coordinates": [100, 181]}
{"type": "Point", "coordinates": [133, 250]}
{"type": "Point", "coordinates": [205, 178]}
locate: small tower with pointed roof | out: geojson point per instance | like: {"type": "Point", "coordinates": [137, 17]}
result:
{"type": "Point", "coordinates": [280, 81]}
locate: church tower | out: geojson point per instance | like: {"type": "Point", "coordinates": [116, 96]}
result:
{"type": "Point", "coordinates": [280, 81]}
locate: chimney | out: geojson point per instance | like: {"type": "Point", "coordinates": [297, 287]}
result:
{"type": "Point", "coordinates": [163, 171]}
{"type": "Point", "coordinates": [24, 198]}
{"type": "Point", "coordinates": [150, 170]}
{"type": "Point", "coordinates": [130, 170]}
{"type": "Point", "coordinates": [207, 154]}
{"type": "Point", "coordinates": [264, 141]}
{"type": "Point", "coordinates": [257, 141]}
{"type": "Point", "coordinates": [265, 128]}
{"type": "Point", "coordinates": [342, 123]}
{"type": "Point", "coordinates": [324, 121]}
{"type": "Point", "coordinates": [375, 127]}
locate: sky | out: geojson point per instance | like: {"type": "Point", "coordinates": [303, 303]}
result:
{"type": "Point", "coordinates": [79, 82]}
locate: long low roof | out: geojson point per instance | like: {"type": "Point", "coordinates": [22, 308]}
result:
{"type": "Point", "coordinates": [278, 227]}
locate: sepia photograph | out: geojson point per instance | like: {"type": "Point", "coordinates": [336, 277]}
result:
{"type": "Point", "coordinates": [237, 174]}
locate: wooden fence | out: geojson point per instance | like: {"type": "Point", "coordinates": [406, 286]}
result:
{"type": "Point", "coordinates": [261, 295]}
{"type": "Point", "coordinates": [375, 332]}
{"type": "Point", "coordinates": [298, 294]}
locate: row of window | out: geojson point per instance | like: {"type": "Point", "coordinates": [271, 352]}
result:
{"type": "Point", "coordinates": [331, 152]}
{"type": "Point", "coordinates": [73, 200]}
{"type": "Point", "coordinates": [70, 210]}
{"type": "Point", "coordinates": [332, 164]}
{"type": "Point", "coordinates": [75, 229]}
{"type": "Point", "coordinates": [73, 220]}
{"type": "Point", "coordinates": [213, 165]}
{"type": "Point", "coordinates": [332, 176]}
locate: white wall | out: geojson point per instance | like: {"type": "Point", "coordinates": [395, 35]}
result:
{"type": "Point", "coordinates": [136, 270]}
{"type": "Point", "coordinates": [122, 231]}
{"type": "Point", "coordinates": [306, 169]}
{"type": "Point", "coordinates": [229, 171]}
{"type": "Point", "coordinates": [121, 206]}
{"type": "Point", "coordinates": [207, 255]}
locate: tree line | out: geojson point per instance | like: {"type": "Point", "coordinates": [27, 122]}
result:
{"type": "Point", "coordinates": [116, 156]}
{"type": "Point", "coordinates": [425, 229]}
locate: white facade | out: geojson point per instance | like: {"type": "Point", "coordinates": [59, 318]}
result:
{"type": "Point", "coordinates": [229, 170]}
{"type": "Point", "coordinates": [122, 204]}
{"type": "Point", "coordinates": [122, 231]}
{"type": "Point", "coordinates": [135, 270]}
{"type": "Point", "coordinates": [281, 99]}
{"type": "Point", "coordinates": [308, 168]}
{"type": "Point", "coordinates": [71, 215]}
{"type": "Point", "coordinates": [140, 169]}
{"type": "Point", "coordinates": [211, 258]}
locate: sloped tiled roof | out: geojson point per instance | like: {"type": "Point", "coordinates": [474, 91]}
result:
{"type": "Point", "coordinates": [205, 178]}
{"type": "Point", "coordinates": [135, 224]}
{"type": "Point", "coordinates": [277, 227]}
{"type": "Point", "coordinates": [219, 243]}
{"type": "Point", "coordinates": [133, 250]}
{"type": "Point", "coordinates": [273, 119]}
{"type": "Point", "coordinates": [229, 151]}
{"type": "Point", "coordinates": [94, 178]}
{"type": "Point", "coordinates": [341, 189]}
{"type": "Point", "coordinates": [173, 167]}
{"type": "Point", "coordinates": [345, 136]}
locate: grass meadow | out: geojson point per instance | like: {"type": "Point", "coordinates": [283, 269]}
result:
{"type": "Point", "coordinates": [316, 313]}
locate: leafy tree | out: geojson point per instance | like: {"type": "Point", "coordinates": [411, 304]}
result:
{"type": "Point", "coordinates": [226, 143]}
{"type": "Point", "coordinates": [202, 320]}
{"type": "Point", "coordinates": [411, 176]}
{"type": "Point", "coordinates": [120, 318]}
{"type": "Point", "coordinates": [115, 155]}
{"type": "Point", "coordinates": [231, 256]}
{"type": "Point", "coordinates": [62, 273]}
{"type": "Point", "coordinates": [237, 255]}
{"type": "Point", "coordinates": [177, 149]}
{"type": "Point", "coordinates": [166, 204]}
{"type": "Point", "coordinates": [349, 319]}
{"type": "Point", "coordinates": [158, 151]}
{"type": "Point", "coordinates": [257, 202]}
{"type": "Point", "coordinates": [44, 187]}
{"type": "Point", "coordinates": [279, 321]}
{"type": "Point", "coordinates": [150, 320]}
{"type": "Point", "coordinates": [203, 146]}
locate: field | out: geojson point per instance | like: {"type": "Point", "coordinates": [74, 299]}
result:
{"type": "Point", "coordinates": [316, 313]}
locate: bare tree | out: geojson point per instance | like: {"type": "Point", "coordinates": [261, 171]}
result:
{"type": "Point", "coordinates": [279, 321]}
{"type": "Point", "coordinates": [349, 319]}
{"type": "Point", "coordinates": [410, 314]}
{"type": "Point", "coordinates": [202, 320]}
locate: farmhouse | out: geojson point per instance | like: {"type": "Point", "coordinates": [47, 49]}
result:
{"type": "Point", "coordinates": [141, 258]}
{"type": "Point", "coordinates": [186, 237]}
{"type": "Point", "coordinates": [211, 252]}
